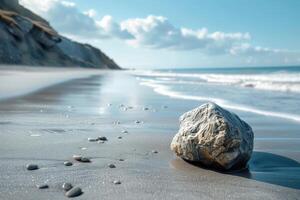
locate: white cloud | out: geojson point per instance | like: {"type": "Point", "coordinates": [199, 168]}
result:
{"type": "Point", "coordinates": [158, 32]}
{"type": "Point", "coordinates": [91, 13]}
{"type": "Point", "coordinates": [69, 20]}
{"type": "Point", "coordinates": [248, 49]}
{"type": "Point", "coordinates": [112, 28]}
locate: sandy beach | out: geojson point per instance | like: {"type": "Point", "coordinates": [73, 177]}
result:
{"type": "Point", "coordinates": [53, 123]}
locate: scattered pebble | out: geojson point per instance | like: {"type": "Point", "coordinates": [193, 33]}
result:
{"type": "Point", "coordinates": [145, 108]}
{"type": "Point", "coordinates": [117, 182]}
{"type": "Point", "coordinates": [137, 121]}
{"type": "Point", "coordinates": [154, 151]}
{"type": "Point", "coordinates": [120, 137]}
{"type": "Point", "coordinates": [77, 157]}
{"type": "Point", "coordinates": [42, 186]}
{"type": "Point", "coordinates": [83, 148]}
{"type": "Point", "coordinates": [112, 166]}
{"type": "Point", "coordinates": [109, 104]}
{"type": "Point", "coordinates": [93, 139]}
{"type": "Point", "coordinates": [74, 192]}
{"type": "Point", "coordinates": [67, 186]}
{"type": "Point", "coordinates": [129, 107]}
{"type": "Point", "coordinates": [32, 167]}
{"type": "Point", "coordinates": [121, 159]}
{"type": "Point", "coordinates": [68, 163]}
{"type": "Point", "coordinates": [102, 138]}
{"type": "Point", "coordinates": [85, 159]}
{"type": "Point", "coordinates": [124, 131]}
{"type": "Point", "coordinates": [100, 141]}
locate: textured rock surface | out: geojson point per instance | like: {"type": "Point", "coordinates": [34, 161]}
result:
{"type": "Point", "coordinates": [27, 39]}
{"type": "Point", "coordinates": [213, 137]}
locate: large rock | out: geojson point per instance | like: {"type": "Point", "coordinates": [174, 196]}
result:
{"type": "Point", "coordinates": [213, 137]}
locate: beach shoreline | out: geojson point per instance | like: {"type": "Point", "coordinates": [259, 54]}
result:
{"type": "Point", "coordinates": [51, 125]}
{"type": "Point", "coordinates": [21, 80]}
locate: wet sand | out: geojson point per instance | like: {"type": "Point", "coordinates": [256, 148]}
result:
{"type": "Point", "coordinates": [50, 126]}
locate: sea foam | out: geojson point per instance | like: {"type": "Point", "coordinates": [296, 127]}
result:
{"type": "Point", "coordinates": [165, 90]}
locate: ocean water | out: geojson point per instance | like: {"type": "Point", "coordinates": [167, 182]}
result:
{"type": "Point", "coordinates": [269, 91]}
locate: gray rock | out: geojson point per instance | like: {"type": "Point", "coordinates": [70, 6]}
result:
{"type": "Point", "coordinates": [213, 137]}
{"type": "Point", "coordinates": [67, 186]}
{"type": "Point", "coordinates": [121, 159]}
{"type": "Point", "coordinates": [120, 137]}
{"type": "Point", "coordinates": [32, 167]}
{"type": "Point", "coordinates": [68, 163]}
{"type": "Point", "coordinates": [77, 157]}
{"type": "Point", "coordinates": [74, 192]}
{"type": "Point", "coordinates": [85, 159]}
{"type": "Point", "coordinates": [112, 166]}
{"type": "Point", "coordinates": [42, 186]}
{"type": "Point", "coordinates": [117, 182]}
{"type": "Point", "coordinates": [93, 139]}
{"type": "Point", "coordinates": [102, 138]}
{"type": "Point", "coordinates": [154, 151]}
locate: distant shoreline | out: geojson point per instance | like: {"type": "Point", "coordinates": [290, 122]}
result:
{"type": "Point", "coordinates": [21, 80]}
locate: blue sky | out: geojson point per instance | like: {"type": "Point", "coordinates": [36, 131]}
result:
{"type": "Point", "coordinates": [135, 33]}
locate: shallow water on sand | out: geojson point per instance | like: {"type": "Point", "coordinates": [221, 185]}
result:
{"type": "Point", "coordinates": [50, 126]}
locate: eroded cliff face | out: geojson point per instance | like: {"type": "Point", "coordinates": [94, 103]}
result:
{"type": "Point", "coordinates": [27, 39]}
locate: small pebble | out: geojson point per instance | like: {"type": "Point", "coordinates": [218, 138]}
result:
{"type": "Point", "coordinates": [102, 138]}
{"type": "Point", "coordinates": [42, 186]}
{"type": "Point", "coordinates": [68, 163]}
{"type": "Point", "coordinates": [137, 121]}
{"type": "Point", "coordinates": [32, 167]}
{"type": "Point", "coordinates": [84, 159]}
{"type": "Point", "coordinates": [146, 108]}
{"type": "Point", "coordinates": [112, 166]}
{"type": "Point", "coordinates": [117, 182]}
{"type": "Point", "coordinates": [165, 106]}
{"type": "Point", "coordinates": [67, 186]}
{"type": "Point", "coordinates": [121, 159]}
{"type": "Point", "coordinates": [77, 157]}
{"type": "Point", "coordinates": [124, 131]}
{"type": "Point", "coordinates": [154, 151]}
{"type": "Point", "coordinates": [74, 192]}
{"type": "Point", "coordinates": [120, 137]}
{"type": "Point", "coordinates": [100, 141]}
{"type": "Point", "coordinates": [93, 139]}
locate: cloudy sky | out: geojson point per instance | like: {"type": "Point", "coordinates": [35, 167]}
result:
{"type": "Point", "coordinates": [189, 33]}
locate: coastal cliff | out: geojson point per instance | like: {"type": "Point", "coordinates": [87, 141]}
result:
{"type": "Point", "coordinates": [28, 39]}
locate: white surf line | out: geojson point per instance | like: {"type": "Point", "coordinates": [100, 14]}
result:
{"type": "Point", "coordinates": [164, 90]}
